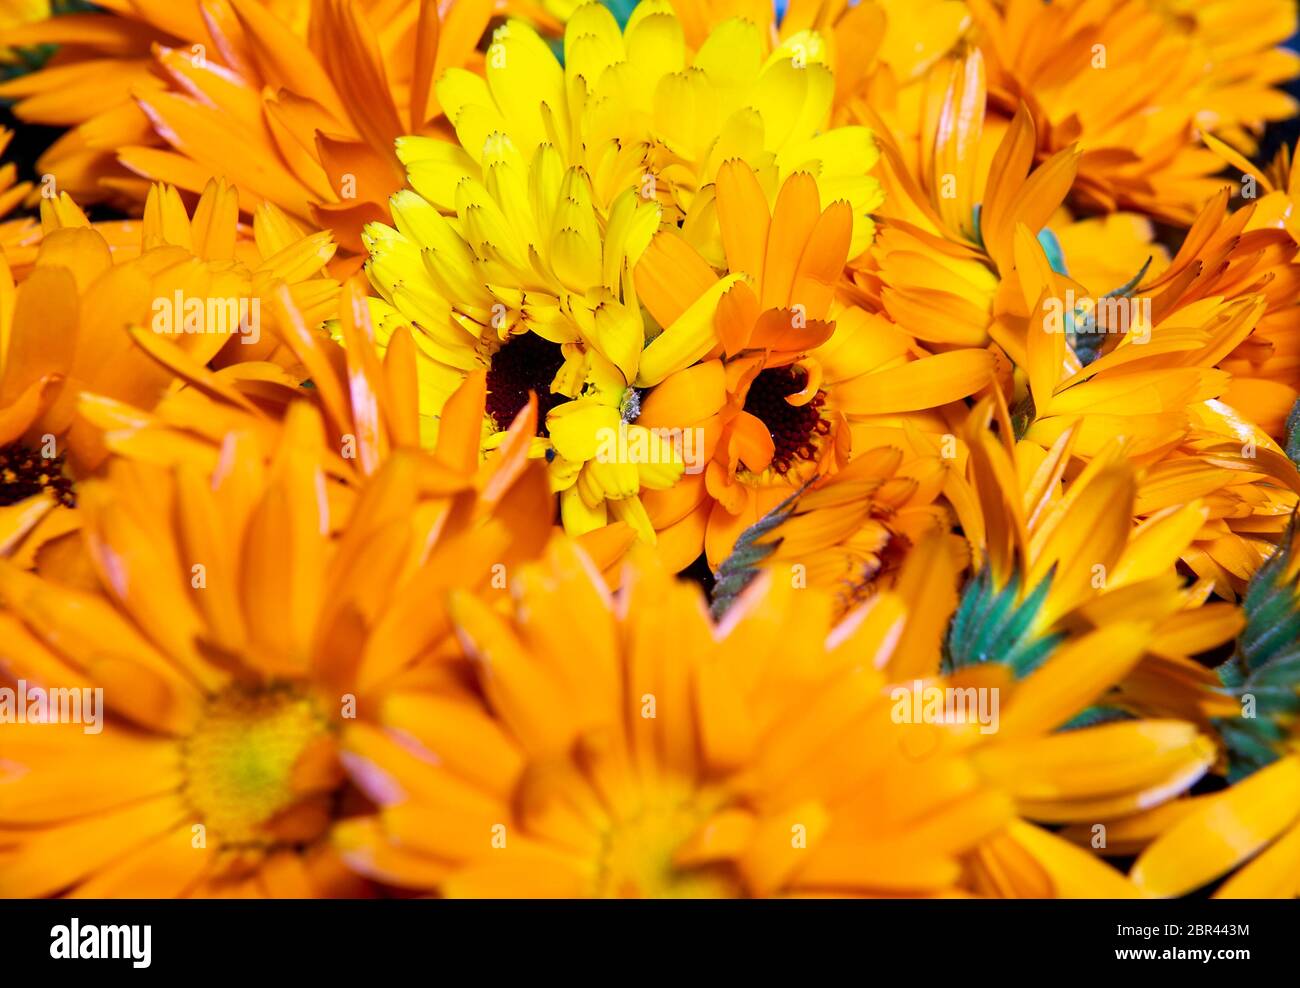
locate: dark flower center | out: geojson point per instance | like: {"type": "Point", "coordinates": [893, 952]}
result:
{"type": "Point", "coordinates": [794, 428]}
{"type": "Point", "coordinates": [524, 363]}
{"type": "Point", "coordinates": [24, 472]}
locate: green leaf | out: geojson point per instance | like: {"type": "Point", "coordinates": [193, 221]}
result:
{"type": "Point", "coordinates": [1095, 715]}
{"type": "Point", "coordinates": [1023, 415]}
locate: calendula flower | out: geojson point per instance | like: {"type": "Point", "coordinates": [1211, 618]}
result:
{"type": "Point", "coordinates": [368, 404]}
{"type": "Point", "coordinates": [847, 533]}
{"type": "Point", "coordinates": [630, 748]}
{"type": "Point", "coordinates": [1263, 366]}
{"type": "Point", "coordinates": [1086, 775]}
{"type": "Point", "coordinates": [175, 293]}
{"type": "Point", "coordinates": [1162, 363]}
{"type": "Point", "coordinates": [1031, 743]}
{"type": "Point", "coordinates": [944, 266]}
{"type": "Point", "coordinates": [1247, 67]}
{"type": "Point", "coordinates": [162, 92]}
{"type": "Point", "coordinates": [1245, 480]}
{"type": "Point", "coordinates": [232, 642]}
{"type": "Point", "coordinates": [1085, 70]}
{"type": "Point", "coordinates": [787, 368]}
{"type": "Point", "coordinates": [819, 779]}
{"type": "Point", "coordinates": [1155, 348]}
{"type": "Point", "coordinates": [1253, 827]}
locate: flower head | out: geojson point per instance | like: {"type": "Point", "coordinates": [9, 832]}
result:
{"type": "Point", "coordinates": [231, 645]}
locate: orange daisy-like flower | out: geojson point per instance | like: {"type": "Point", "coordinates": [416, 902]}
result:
{"type": "Point", "coordinates": [779, 411]}
{"type": "Point", "coordinates": [1059, 548]}
{"type": "Point", "coordinates": [1130, 81]}
{"type": "Point", "coordinates": [162, 92]}
{"type": "Point", "coordinates": [1265, 236]}
{"type": "Point", "coordinates": [944, 265]}
{"type": "Point", "coordinates": [628, 747]}
{"type": "Point", "coordinates": [235, 619]}
{"type": "Point", "coordinates": [101, 314]}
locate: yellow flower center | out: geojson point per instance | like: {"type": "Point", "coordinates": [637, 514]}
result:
{"type": "Point", "coordinates": [637, 858]}
{"type": "Point", "coordinates": [247, 763]}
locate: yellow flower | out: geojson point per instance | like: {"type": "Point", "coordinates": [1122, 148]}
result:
{"type": "Point", "coordinates": [562, 177]}
{"type": "Point", "coordinates": [878, 45]}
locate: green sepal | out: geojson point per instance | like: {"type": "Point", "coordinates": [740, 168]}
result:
{"type": "Point", "coordinates": [992, 625]}
{"type": "Point", "coordinates": [739, 569]}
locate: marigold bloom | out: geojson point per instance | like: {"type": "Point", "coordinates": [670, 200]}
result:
{"type": "Point", "coordinates": [159, 91]}
{"type": "Point", "coordinates": [1085, 70]}
{"type": "Point", "coordinates": [1053, 555]}
{"type": "Point", "coordinates": [793, 367]}
{"type": "Point", "coordinates": [1254, 825]}
{"type": "Point", "coordinates": [685, 761]}
{"type": "Point", "coordinates": [723, 764]}
{"type": "Point", "coordinates": [231, 643]}
{"type": "Point", "coordinates": [532, 277]}
{"type": "Point", "coordinates": [117, 315]}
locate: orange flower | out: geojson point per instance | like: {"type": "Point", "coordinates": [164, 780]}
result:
{"type": "Point", "coordinates": [89, 317]}
{"type": "Point", "coordinates": [1131, 80]}
{"type": "Point", "coordinates": [778, 411]}
{"type": "Point", "coordinates": [162, 92]}
{"type": "Point", "coordinates": [234, 619]}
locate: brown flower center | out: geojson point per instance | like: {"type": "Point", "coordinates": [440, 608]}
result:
{"type": "Point", "coordinates": [25, 472]}
{"type": "Point", "coordinates": [524, 363]}
{"type": "Point", "coordinates": [794, 428]}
